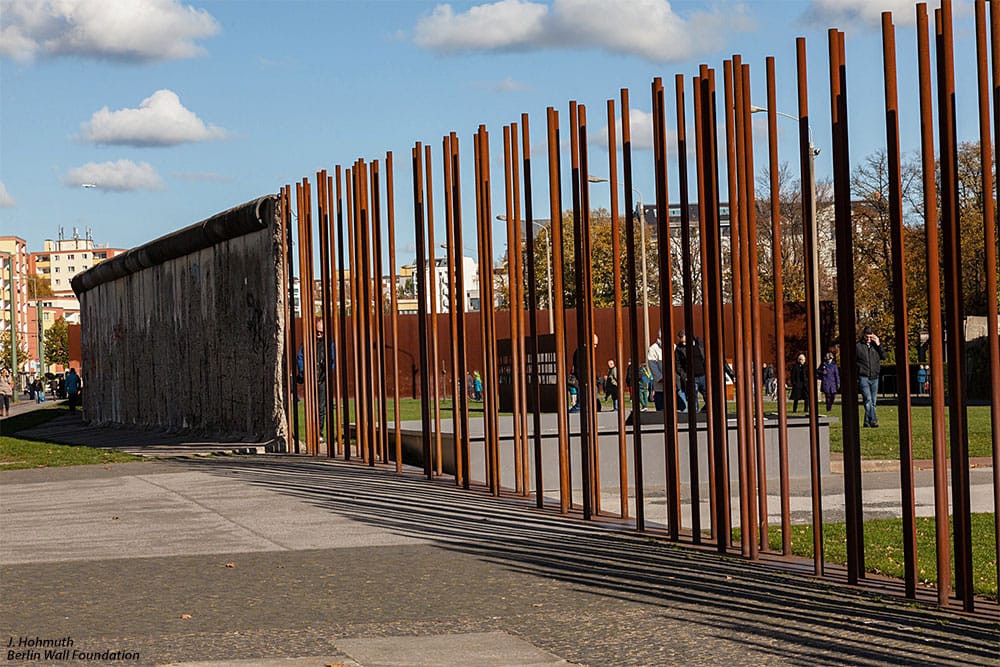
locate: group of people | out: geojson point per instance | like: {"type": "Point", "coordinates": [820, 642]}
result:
{"type": "Point", "coordinates": [68, 387]}
{"type": "Point", "coordinates": [869, 360]}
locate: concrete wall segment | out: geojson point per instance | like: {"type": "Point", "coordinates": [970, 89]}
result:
{"type": "Point", "coordinates": [185, 333]}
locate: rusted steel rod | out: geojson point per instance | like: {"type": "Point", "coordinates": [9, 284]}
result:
{"type": "Point", "coordinates": [616, 279]}
{"type": "Point", "coordinates": [393, 312]}
{"type": "Point", "coordinates": [670, 452]}
{"type": "Point", "coordinates": [364, 313]}
{"type": "Point", "coordinates": [849, 398]}
{"type": "Point", "coordinates": [462, 441]}
{"type": "Point", "coordinates": [457, 381]}
{"type": "Point", "coordinates": [687, 285]}
{"type": "Point", "coordinates": [379, 310]}
{"type": "Point", "coordinates": [485, 280]}
{"type": "Point", "coordinates": [343, 357]}
{"type": "Point", "coordinates": [365, 316]}
{"type": "Point", "coordinates": [491, 340]}
{"type": "Point", "coordinates": [990, 231]}
{"type": "Point", "coordinates": [535, 376]}
{"type": "Point", "coordinates": [556, 236]}
{"type": "Point", "coordinates": [327, 395]}
{"type": "Point", "coordinates": [434, 292]}
{"type": "Point", "coordinates": [844, 230]}
{"type": "Point", "coordinates": [759, 472]}
{"type": "Point", "coordinates": [594, 439]}
{"type": "Point", "coordinates": [336, 446]}
{"type": "Point", "coordinates": [954, 308]}
{"type": "Point", "coordinates": [633, 310]}
{"type": "Point", "coordinates": [370, 384]}
{"type": "Point", "coordinates": [487, 305]}
{"type": "Point", "coordinates": [582, 357]}
{"type": "Point", "coordinates": [350, 182]}
{"type": "Point", "coordinates": [934, 315]}
{"type": "Point", "coordinates": [696, 90]}
{"type": "Point", "coordinates": [733, 86]}
{"type": "Point", "coordinates": [513, 250]}
{"type": "Point", "coordinates": [899, 305]}
{"type": "Point", "coordinates": [421, 280]}
{"type": "Point", "coordinates": [715, 361]}
{"type": "Point", "coordinates": [521, 376]}
{"type": "Point", "coordinates": [303, 194]}
{"type": "Point", "coordinates": [779, 307]}
{"type": "Point", "coordinates": [741, 313]}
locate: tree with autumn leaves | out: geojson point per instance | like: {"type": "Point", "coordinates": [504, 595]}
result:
{"type": "Point", "coordinates": [872, 246]}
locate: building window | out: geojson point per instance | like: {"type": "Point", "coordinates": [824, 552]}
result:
{"type": "Point", "coordinates": [57, 269]}
{"type": "Point", "coordinates": [58, 282]}
{"type": "Point", "coordinates": [70, 256]}
{"type": "Point", "coordinates": [72, 269]}
{"type": "Point", "coordinates": [84, 255]}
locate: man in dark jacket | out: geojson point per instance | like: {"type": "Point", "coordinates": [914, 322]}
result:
{"type": "Point", "coordinates": [870, 356]}
{"type": "Point", "coordinates": [697, 367]}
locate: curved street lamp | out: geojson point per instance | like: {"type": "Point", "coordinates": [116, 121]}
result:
{"type": "Point", "coordinates": [642, 242]}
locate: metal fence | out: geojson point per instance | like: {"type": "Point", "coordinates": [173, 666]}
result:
{"type": "Point", "coordinates": [350, 208]}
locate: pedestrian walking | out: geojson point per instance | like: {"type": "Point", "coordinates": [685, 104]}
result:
{"type": "Point", "coordinates": [697, 366]}
{"type": "Point", "coordinates": [767, 380]}
{"type": "Point", "coordinates": [828, 375]}
{"type": "Point", "coordinates": [654, 359]}
{"type": "Point", "coordinates": [870, 357]}
{"type": "Point", "coordinates": [800, 384]}
{"type": "Point", "coordinates": [6, 392]}
{"type": "Point", "coordinates": [611, 384]}
{"type": "Point", "coordinates": [73, 386]}
{"type": "Point", "coordinates": [477, 386]}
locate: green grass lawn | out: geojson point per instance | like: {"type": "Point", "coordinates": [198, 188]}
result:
{"type": "Point", "coordinates": [884, 548]}
{"type": "Point", "coordinates": [883, 442]}
{"type": "Point", "coordinates": [18, 453]}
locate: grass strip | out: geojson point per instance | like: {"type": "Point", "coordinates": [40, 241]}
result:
{"type": "Point", "coordinates": [884, 548]}
{"type": "Point", "coordinates": [20, 453]}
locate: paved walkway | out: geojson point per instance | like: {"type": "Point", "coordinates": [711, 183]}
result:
{"type": "Point", "coordinates": [278, 560]}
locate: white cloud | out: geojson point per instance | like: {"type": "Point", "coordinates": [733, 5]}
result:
{"type": "Point", "coordinates": [128, 30]}
{"type": "Point", "coordinates": [120, 176]}
{"type": "Point", "coordinates": [509, 85]}
{"type": "Point", "coordinates": [160, 120]}
{"type": "Point", "coordinates": [646, 28]}
{"type": "Point", "coordinates": [828, 12]}
{"type": "Point", "coordinates": [6, 201]}
{"type": "Point", "coordinates": [504, 25]}
{"type": "Point", "coordinates": [640, 131]}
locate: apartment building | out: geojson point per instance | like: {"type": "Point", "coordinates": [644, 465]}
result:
{"type": "Point", "coordinates": [14, 293]}
{"type": "Point", "coordinates": [63, 258]}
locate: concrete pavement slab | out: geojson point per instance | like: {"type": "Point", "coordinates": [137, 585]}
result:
{"type": "Point", "coordinates": [165, 514]}
{"type": "Point", "coordinates": [453, 563]}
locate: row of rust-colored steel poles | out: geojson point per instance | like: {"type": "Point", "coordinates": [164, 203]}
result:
{"type": "Point", "coordinates": [721, 274]}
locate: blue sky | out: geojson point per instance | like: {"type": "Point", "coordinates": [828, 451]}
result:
{"type": "Point", "coordinates": [179, 109]}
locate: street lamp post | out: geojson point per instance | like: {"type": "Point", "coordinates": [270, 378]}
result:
{"type": "Point", "coordinates": [642, 242]}
{"type": "Point", "coordinates": [548, 270]}
{"type": "Point", "coordinates": [12, 328]}
{"type": "Point", "coordinates": [548, 265]}
{"type": "Point", "coordinates": [813, 152]}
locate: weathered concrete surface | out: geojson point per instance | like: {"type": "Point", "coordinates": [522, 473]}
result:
{"type": "Point", "coordinates": [337, 562]}
{"type": "Point", "coordinates": [190, 342]}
